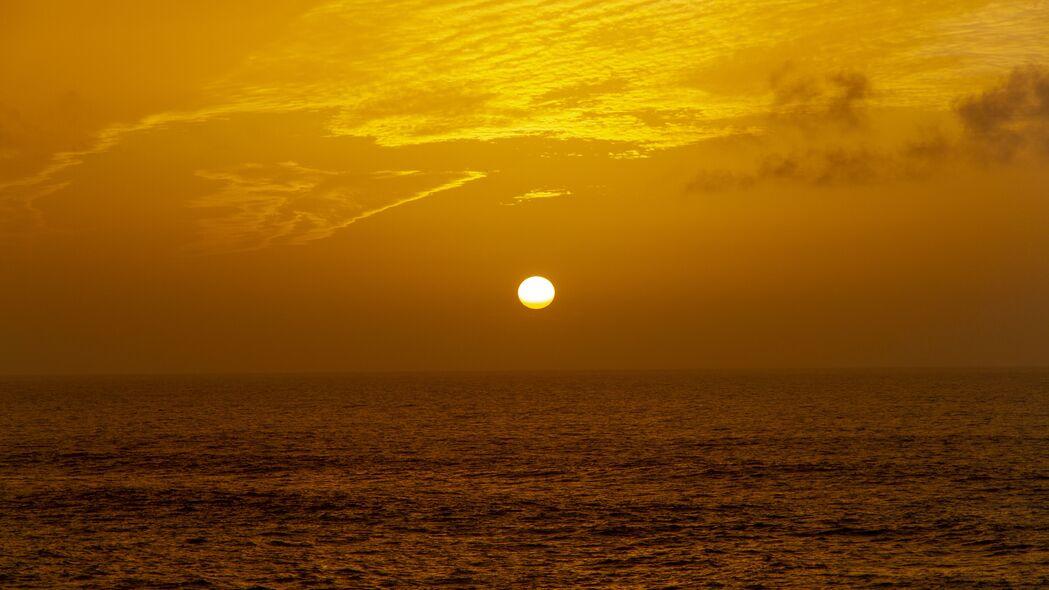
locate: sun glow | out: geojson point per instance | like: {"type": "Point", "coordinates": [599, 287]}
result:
{"type": "Point", "coordinates": [535, 292]}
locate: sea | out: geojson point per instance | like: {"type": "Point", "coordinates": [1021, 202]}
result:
{"type": "Point", "coordinates": [718, 479]}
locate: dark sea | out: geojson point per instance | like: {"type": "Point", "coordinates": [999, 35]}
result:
{"type": "Point", "coordinates": [923, 479]}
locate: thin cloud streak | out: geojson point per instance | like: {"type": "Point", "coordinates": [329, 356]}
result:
{"type": "Point", "coordinates": [264, 205]}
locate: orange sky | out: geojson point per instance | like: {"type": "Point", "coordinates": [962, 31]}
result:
{"type": "Point", "coordinates": [200, 186]}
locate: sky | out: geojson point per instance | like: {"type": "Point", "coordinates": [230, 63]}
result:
{"type": "Point", "coordinates": [191, 186]}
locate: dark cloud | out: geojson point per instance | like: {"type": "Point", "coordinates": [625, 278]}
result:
{"type": "Point", "coordinates": [999, 123]}
{"type": "Point", "coordinates": [719, 181]}
{"type": "Point", "coordinates": [819, 167]}
{"type": "Point", "coordinates": [1011, 116]}
{"type": "Point", "coordinates": [790, 88]}
{"type": "Point", "coordinates": [807, 102]}
{"type": "Point", "coordinates": [835, 165]}
{"type": "Point", "coordinates": [852, 88]}
{"type": "Point", "coordinates": [837, 97]}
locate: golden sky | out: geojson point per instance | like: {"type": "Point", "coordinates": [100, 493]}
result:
{"type": "Point", "coordinates": [361, 185]}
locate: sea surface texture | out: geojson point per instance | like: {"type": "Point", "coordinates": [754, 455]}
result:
{"type": "Point", "coordinates": [602, 480]}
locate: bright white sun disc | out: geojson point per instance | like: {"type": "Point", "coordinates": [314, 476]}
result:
{"type": "Point", "coordinates": [536, 292]}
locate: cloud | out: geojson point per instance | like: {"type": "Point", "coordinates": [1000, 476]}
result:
{"type": "Point", "coordinates": [581, 93]}
{"type": "Point", "coordinates": [999, 123]}
{"type": "Point", "coordinates": [1012, 115]}
{"type": "Point", "coordinates": [538, 194]}
{"type": "Point", "coordinates": [837, 97]}
{"type": "Point", "coordinates": [19, 213]}
{"type": "Point", "coordinates": [261, 205]}
{"type": "Point", "coordinates": [648, 76]}
{"type": "Point", "coordinates": [428, 111]}
{"type": "Point", "coordinates": [830, 166]}
{"type": "Point", "coordinates": [852, 89]}
{"type": "Point", "coordinates": [810, 135]}
{"type": "Point", "coordinates": [719, 181]}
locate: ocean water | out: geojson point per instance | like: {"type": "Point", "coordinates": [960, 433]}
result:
{"type": "Point", "coordinates": [599, 480]}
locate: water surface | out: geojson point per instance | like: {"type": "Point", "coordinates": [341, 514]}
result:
{"type": "Point", "coordinates": [780, 479]}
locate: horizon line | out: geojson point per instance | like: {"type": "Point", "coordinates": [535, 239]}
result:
{"type": "Point", "coordinates": [435, 371]}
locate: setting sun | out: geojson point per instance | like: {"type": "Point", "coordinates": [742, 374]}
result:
{"type": "Point", "coordinates": [536, 292]}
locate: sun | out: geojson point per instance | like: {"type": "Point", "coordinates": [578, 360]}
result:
{"type": "Point", "coordinates": [536, 292]}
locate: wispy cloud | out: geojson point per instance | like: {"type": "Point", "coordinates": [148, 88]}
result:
{"type": "Point", "coordinates": [644, 72]}
{"type": "Point", "coordinates": [539, 194]}
{"type": "Point", "coordinates": [18, 198]}
{"type": "Point", "coordinates": [286, 203]}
